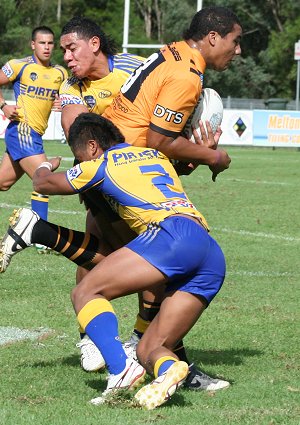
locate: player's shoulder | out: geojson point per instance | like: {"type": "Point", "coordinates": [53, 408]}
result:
{"type": "Point", "coordinates": [21, 61]}
{"type": "Point", "coordinates": [14, 66]}
{"type": "Point", "coordinates": [125, 61]}
{"type": "Point", "coordinates": [70, 82]}
{"type": "Point", "coordinates": [61, 69]}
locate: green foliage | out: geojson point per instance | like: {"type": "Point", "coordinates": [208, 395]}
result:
{"type": "Point", "coordinates": [280, 55]}
{"type": "Point", "coordinates": [271, 28]}
{"type": "Point", "coordinates": [243, 79]}
{"type": "Point", "coordinates": [172, 25]}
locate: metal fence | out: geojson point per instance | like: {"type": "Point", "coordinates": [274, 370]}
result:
{"type": "Point", "coordinates": [228, 102]}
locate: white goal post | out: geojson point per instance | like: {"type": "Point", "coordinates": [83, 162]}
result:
{"type": "Point", "coordinates": [127, 45]}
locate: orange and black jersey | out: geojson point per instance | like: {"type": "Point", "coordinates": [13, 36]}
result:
{"type": "Point", "coordinates": [160, 94]}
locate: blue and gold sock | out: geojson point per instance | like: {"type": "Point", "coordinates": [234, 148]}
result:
{"type": "Point", "coordinates": [39, 204]}
{"type": "Point", "coordinates": [140, 326]}
{"type": "Point", "coordinates": [163, 364]}
{"type": "Point", "coordinates": [99, 321]}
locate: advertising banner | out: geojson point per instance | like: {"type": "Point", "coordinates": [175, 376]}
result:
{"type": "Point", "coordinates": [276, 128]}
{"type": "Point", "coordinates": [236, 127]}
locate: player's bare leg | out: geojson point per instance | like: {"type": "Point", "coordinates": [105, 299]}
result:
{"type": "Point", "coordinates": [178, 313]}
{"type": "Point", "coordinates": [10, 172]}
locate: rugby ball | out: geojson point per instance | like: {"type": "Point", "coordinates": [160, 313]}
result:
{"type": "Point", "coordinates": [209, 108]}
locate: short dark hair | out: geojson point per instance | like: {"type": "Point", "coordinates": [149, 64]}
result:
{"type": "Point", "coordinates": [90, 126]}
{"type": "Point", "coordinates": [86, 29]}
{"type": "Point", "coordinates": [214, 18]}
{"type": "Point", "coordinates": [43, 30]}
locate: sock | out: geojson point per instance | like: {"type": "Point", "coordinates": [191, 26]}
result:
{"type": "Point", "coordinates": [39, 204]}
{"type": "Point", "coordinates": [150, 310]}
{"type": "Point", "coordinates": [81, 332]}
{"type": "Point", "coordinates": [143, 319]}
{"type": "Point", "coordinates": [163, 364]}
{"type": "Point", "coordinates": [140, 326]}
{"type": "Point", "coordinates": [78, 247]}
{"type": "Point", "coordinates": [99, 321]}
{"type": "Point", "coordinates": [180, 352]}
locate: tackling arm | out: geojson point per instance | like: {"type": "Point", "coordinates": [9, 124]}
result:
{"type": "Point", "coordinates": [48, 183]}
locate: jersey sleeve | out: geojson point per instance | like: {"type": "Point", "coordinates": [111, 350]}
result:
{"type": "Point", "coordinates": [175, 103]}
{"type": "Point", "coordinates": [69, 93]}
{"type": "Point", "coordinates": [86, 175]}
{"type": "Point", "coordinates": [12, 68]}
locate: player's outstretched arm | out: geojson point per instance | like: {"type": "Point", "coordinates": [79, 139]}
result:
{"type": "Point", "coordinates": [48, 183]}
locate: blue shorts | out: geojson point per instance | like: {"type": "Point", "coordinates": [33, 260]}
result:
{"type": "Point", "coordinates": [22, 141]}
{"type": "Point", "coordinates": [184, 251]}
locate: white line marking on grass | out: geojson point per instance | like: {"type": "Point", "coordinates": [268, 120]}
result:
{"type": "Point", "coordinates": [272, 183]}
{"type": "Point", "coordinates": [10, 334]}
{"type": "Point", "coordinates": [8, 206]}
{"type": "Point", "coordinates": [261, 274]}
{"type": "Point", "coordinates": [257, 234]}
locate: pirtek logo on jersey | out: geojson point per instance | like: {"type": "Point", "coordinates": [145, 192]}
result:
{"type": "Point", "coordinates": [41, 91]}
{"type": "Point", "coordinates": [168, 114]}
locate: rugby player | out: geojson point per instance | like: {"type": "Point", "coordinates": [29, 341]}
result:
{"type": "Point", "coordinates": [173, 249]}
{"type": "Point", "coordinates": [36, 83]}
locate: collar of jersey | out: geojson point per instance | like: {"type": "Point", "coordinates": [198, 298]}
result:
{"type": "Point", "coordinates": [119, 146]}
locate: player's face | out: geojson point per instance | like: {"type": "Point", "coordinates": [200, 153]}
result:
{"type": "Point", "coordinates": [79, 54]}
{"type": "Point", "coordinates": [91, 150]}
{"type": "Point", "coordinates": [42, 47]}
{"type": "Point", "coordinates": [226, 49]}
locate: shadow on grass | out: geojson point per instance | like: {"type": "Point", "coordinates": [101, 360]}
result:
{"type": "Point", "coordinates": [199, 357]}
{"type": "Point", "coordinates": [222, 357]}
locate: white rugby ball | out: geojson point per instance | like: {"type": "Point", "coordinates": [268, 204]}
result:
{"type": "Point", "coordinates": [209, 108]}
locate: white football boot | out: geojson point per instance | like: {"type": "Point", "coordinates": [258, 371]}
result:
{"type": "Point", "coordinates": [131, 377]}
{"type": "Point", "coordinates": [18, 235]}
{"type": "Point", "coordinates": [163, 387]}
{"type": "Point", "coordinates": [130, 346]}
{"type": "Point", "coordinates": [91, 359]}
{"type": "Point", "coordinates": [198, 380]}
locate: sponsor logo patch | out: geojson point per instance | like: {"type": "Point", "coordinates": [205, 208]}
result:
{"type": "Point", "coordinates": [7, 70]}
{"type": "Point", "coordinates": [103, 94]}
{"type": "Point", "coordinates": [68, 99]}
{"type": "Point", "coordinates": [90, 101]}
{"type": "Point", "coordinates": [33, 76]}
{"type": "Point", "coordinates": [74, 172]}
{"type": "Point", "coordinates": [168, 114]}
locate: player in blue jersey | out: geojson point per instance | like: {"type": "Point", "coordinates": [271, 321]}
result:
{"type": "Point", "coordinates": [36, 84]}
{"type": "Point", "coordinates": [173, 249]}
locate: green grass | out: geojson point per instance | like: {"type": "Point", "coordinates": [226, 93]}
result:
{"type": "Point", "coordinates": [249, 335]}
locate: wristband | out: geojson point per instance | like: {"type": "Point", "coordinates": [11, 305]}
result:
{"type": "Point", "coordinates": [2, 104]}
{"type": "Point", "coordinates": [46, 165]}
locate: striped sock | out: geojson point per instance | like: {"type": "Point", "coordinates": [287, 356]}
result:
{"type": "Point", "coordinates": [163, 364]}
{"type": "Point", "coordinates": [39, 204]}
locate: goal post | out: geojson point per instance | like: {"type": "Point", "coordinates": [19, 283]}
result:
{"type": "Point", "coordinates": [126, 45]}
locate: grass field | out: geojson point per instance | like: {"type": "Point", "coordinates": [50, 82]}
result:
{"type": "Point", "coordinates": [249, 335]}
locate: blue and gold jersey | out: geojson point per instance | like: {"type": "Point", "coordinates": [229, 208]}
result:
{"type": "Point", "coordinates": [35, 87]}
{"type": "Point", "coordinates": [98, 94]}
{"type": "Point", "coordinates": [140, 184]}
